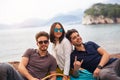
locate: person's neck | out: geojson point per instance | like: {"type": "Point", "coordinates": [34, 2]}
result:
{"type": "Point", "coordinates": [56, 40]}
{"type": "Point", "coordinates": [80, 47]}
{"type": "Point", "coordinates": [42, 53]}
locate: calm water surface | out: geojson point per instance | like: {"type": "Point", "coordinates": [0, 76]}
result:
{"type": "Point", "coordinates": [14, 42]}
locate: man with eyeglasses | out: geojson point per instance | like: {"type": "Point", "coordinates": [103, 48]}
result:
{"type": "Point", "coordinates": [35, 63]}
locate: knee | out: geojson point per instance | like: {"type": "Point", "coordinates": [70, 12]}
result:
{"type": "Point", "coordinates": [4, 67]}
{"type": "Point", "coordinates": [104, 74]}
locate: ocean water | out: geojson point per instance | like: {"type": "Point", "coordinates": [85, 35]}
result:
{"type": "Point", "coordinates": [14, 42]}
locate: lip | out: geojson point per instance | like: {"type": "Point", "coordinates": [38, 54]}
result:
{"type": "Point", "coordinates": [44, 47]}
{"type": "Point", "coordinates": [58, 32]}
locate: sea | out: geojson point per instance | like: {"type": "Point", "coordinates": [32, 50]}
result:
{"type": "Point", "coordinates": [14, 42]}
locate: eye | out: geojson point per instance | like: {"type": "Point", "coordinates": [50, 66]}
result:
{"type": "Point", "coordinates": [74, 37]}
{"type": "Point", "coordinates": [55, 29]}
{"type": "Point", "coordinates": [58, 30]}
{"type": "Point", "coordinates": [61, 30]}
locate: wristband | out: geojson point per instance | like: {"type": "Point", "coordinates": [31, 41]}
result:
{"type": "Point", "coordinates": [99, 67]}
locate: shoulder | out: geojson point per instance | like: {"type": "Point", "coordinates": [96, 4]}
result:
{"type": "Point", "coordinates": [29, 51]}
{"type": "Point", "coordinates": [66, 44]}
{"type": "Point", "coordinates": [91, 44]}
{"type": "Point", "coordinates": [65, 40]}
{"type": "Point", "coordinates": [51, 56]}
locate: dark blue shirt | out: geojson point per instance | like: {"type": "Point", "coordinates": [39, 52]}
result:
{"type": "Point", "coordinates": [90, 56]}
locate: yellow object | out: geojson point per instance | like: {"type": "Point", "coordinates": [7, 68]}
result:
{"type": "Point", "coordinates": [59, 71]}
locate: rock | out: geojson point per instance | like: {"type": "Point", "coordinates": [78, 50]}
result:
{"type": "Point", "coordinates": [88, 19]}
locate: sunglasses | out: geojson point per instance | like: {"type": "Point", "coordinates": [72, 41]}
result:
{"type": "Point", "coordinates": [45, 42]}
{"type": "Point", "coordinates": [56, 29]}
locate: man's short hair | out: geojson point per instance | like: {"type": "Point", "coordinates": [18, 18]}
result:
{"type": "Point", "coordinates": [69, 33]}
{"type": "Point", "coordinates": [41, 33]}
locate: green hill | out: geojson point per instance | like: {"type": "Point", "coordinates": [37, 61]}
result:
{"type": "Point", "coordinates": [107, 10]}
{"type": "Point", "coordinates": [102, 14]}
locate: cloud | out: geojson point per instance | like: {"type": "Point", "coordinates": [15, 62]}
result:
{"type": "Point", "coordinates": [15, 11]}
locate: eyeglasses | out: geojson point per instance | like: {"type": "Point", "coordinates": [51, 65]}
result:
{"type": "Point", "coordinates": [41, 42]}
{"type": "Point", "coordinates": [56, 29]}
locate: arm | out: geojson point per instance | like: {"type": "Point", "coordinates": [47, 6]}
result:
{"type": "Point", "coordinates": [52, 68]}
{"type": "Point", "coordinates": [22, 69]}
{"type": "Point", "coordinates": [105, 56]}
{"type": "Point", "coordinates": [77, 66]}
{"type": "Point", "coordinates": [53, 77]}
{"type": "Point", "coordinates": [67, 48]}
{"type": "Point", "coordinates": [103, 61]}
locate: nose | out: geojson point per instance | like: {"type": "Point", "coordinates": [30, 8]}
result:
{"type": "Point", "coordinates": [58, 30]}
{"type": "Point", "coordinates": [78, 38]}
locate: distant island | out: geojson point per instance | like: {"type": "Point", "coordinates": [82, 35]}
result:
{"type": "Point", "coordinates": [102, 14]}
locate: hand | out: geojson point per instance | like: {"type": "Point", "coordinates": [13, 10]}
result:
{"type": "Point", "coordinates": [64, 78]}
{"type": "Point", "coordinates": [96, 72]}
{"type": "Point", "coordinates": [77, 64]}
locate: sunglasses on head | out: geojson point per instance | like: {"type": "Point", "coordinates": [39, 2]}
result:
{"type": "Point", "coordinates": [56, 30]}
{"type": "Point", "coordinates": [45, 42]}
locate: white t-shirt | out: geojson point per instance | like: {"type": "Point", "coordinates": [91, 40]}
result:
{"type": "Point", "coordinates": [62, 53]}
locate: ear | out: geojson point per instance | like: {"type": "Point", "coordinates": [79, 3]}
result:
{"type": "Point", "coordinates": [37, 43]}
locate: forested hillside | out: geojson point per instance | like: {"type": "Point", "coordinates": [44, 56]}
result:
{"type": "Point", "coordinates": [107, 10]}
{"type": "Point", "coordinates": [102, 13]}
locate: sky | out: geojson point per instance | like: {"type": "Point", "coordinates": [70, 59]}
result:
{"type": "Point", "coordinates": [16, 11]}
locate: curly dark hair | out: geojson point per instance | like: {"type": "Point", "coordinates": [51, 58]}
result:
{"type": "Point", "coordinates": [69, 32]}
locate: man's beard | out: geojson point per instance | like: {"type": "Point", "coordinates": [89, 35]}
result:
{"type": "Point", "coordinates": [43, 48]}
{"type": "Point", "coordinates": [78, 45]}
